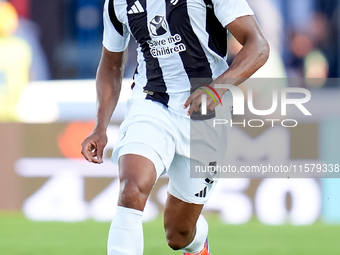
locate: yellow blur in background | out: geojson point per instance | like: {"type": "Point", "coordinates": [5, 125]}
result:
{"type": "Point", "coordinates": [15, 61]}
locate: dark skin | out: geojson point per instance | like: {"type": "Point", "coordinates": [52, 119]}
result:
{"type": "Point", "coordinates": [137, 174]}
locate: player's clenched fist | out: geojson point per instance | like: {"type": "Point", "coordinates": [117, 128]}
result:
{"type": "Point", "coordinates": [93, 147]}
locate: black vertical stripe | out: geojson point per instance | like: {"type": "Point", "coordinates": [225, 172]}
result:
{"type": "Point", "coordinates": [205, 192]}
{"type": "Point", "coordinates": [138, 23]}
{"type": "Point", "coordinates": [217, 33]}
{"type": "Point", "coordinates": [114, 20]}
{"type": "Point", "coordinates": [194, 60]}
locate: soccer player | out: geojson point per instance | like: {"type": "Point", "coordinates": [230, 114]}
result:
{"type": "Point", "coordinates": [178, 41]}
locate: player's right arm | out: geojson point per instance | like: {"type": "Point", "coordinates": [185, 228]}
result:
{"type": "Point", "coordinates": [108, 85]}
{"type": "Point", "coordinates": [108, 81]}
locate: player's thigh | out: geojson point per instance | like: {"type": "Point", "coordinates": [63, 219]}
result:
{"type": "Point", "coordinates": [137, 176]}
{"type": "Point", "coordinates": [144, 149]}
{"type": "Point", "coordinates": [140, 165]}
{"type": "Point", "coordinates": [140, 155]}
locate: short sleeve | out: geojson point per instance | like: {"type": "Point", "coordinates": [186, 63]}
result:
{"type": "Point", "coordinates": [227, 11]}
{"type": "Point", "coordinates": [116, 35]}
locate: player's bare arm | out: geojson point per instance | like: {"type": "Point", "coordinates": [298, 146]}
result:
{"type": "Point", "coordinates": [252, 56]}
{"type": "Point", "coordinates": [108, 85]}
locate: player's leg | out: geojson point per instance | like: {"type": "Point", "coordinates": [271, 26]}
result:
{"type": "Point", "coordinates": [143, 148]}
{"type": "Point", "coordinates": [184, 227]}
{"type": "Point", "coordinates": [137, 176]}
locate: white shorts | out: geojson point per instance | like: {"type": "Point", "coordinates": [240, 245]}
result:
{"type": "Point", "coordinates": [153, 131]}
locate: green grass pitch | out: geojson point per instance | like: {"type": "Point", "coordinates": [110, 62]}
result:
{"type": "Point", "coordinates": [19, 236]}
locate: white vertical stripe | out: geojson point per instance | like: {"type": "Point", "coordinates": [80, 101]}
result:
{"type": "Point", "coordinates": [198, 23]}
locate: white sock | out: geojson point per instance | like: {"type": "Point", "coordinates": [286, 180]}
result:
{"type": "Point", "coordinates": [197, 244]}
{"type": "Point", "coordinates": [126, 233]}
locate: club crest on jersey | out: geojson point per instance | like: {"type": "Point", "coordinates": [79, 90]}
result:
{"type": "Point", "coordinates": [158, 25]}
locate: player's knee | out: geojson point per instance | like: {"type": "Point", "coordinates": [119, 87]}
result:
{"type": "Point", "coordinates": [132, 195]}
{"type": "Point", "coordinates": [178, 238]}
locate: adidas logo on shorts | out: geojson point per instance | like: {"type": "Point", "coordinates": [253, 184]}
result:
{"type": "Point", "coordinates": [202, 193]}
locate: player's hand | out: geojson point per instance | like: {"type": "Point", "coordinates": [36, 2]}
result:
{"type": "Point", "coordinates": [195, 99]}
{"type": "Point", "coordinates": [93, 147]}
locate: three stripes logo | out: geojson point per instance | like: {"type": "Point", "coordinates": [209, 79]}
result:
{"type": "Point", "coordinates": [136, 8]}
{"type": "Point", "coordinates": [202, 193]}
{"type": "Point", "coordinates": [173, 2]}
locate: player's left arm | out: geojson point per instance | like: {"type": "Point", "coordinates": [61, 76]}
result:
{"type": "Point", "coordinates": [251, 57]}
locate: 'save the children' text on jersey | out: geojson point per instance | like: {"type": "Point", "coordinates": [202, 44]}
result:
{"type": "Point", "coordinates": [178, 40]}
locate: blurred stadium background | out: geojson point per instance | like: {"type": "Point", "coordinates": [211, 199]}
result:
{"type": "Point", "coordinates": [53, 202]}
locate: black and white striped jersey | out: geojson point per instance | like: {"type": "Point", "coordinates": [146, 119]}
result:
{"type": "Point", "coordinates": [178, 40]}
